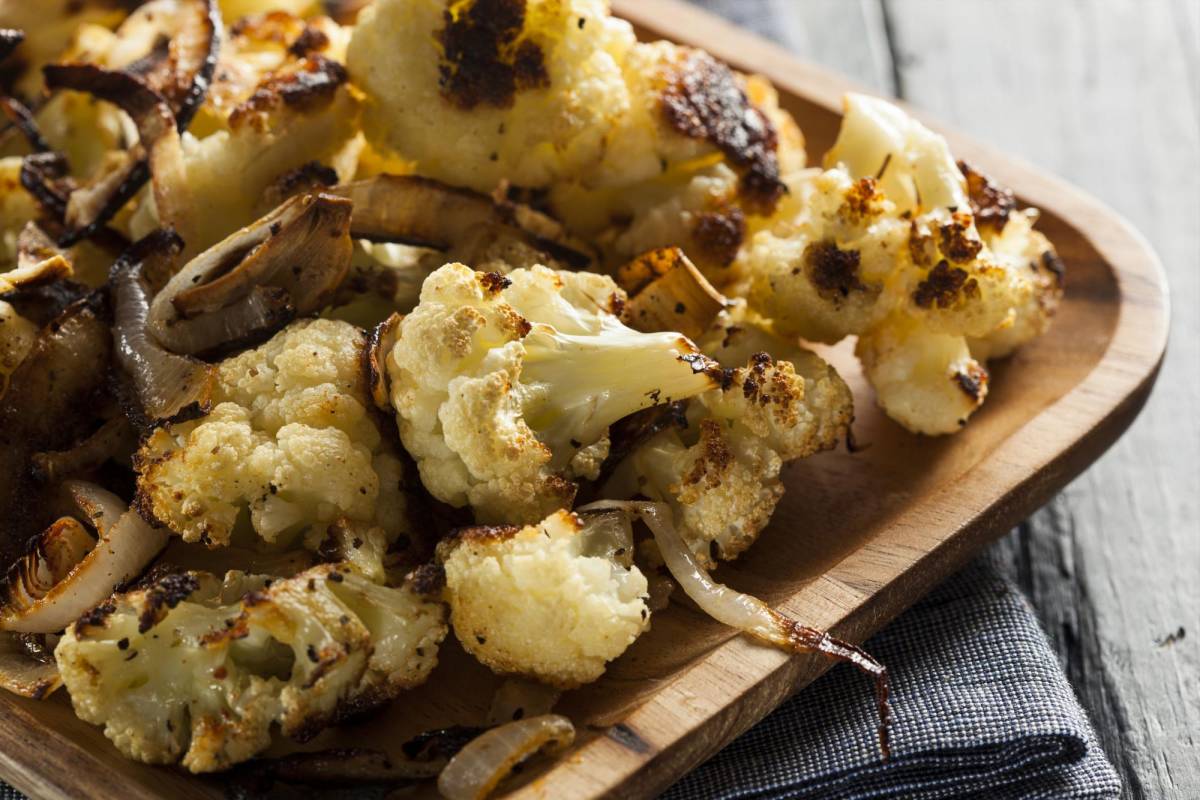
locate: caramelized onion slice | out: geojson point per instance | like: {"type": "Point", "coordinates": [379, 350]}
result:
{"type": "Point", "coordinates": [22, 119]}
{"type": "Point", "coordinates": [21, 673]}
{"type": "Point", "coordinates": [744, 612]}
{"type": "Point", "coordinates": [169, 386]}
{"type": "Point", "coordinates": [380, 342]}
{"type": "Point", "coordinates": [158, 151]}
{"type": "Point", "coordinates": [126, 545]}
{"type": "Point", "coordinates": [479, 767]}
{"type": "Point", "coordinates": [289, 262]}
{"type": "Point", "coordinates": [414, 210]}
{"type": "Point", "coordinates": [38, 261]}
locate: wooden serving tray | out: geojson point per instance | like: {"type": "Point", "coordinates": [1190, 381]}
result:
{"type": "Point", "coordinates": [857, 539]}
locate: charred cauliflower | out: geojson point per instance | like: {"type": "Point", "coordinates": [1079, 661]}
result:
{"type": "Point", "coordinates": [720, 472]}
{"type": "Point", "coordinates": [543, 601]}
{"type": "Point", "coordinates": [290, 438]}
{"type": "Point", "coordinates": [893, 244]}
{"type": "Point", "coordinates": [196, 671]}
{"type": "Point", "coordinates": [505, 386]}
{"type": "Point", "coordinates": [559, 96]}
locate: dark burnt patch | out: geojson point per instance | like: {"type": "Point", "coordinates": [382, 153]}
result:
{"type": "Point", "coordinates": [311, 85]}
{"type": "Point", "coordinates": [493, 283]}
{"type": "Point", "coordinates": [310, 40]}
{"type": "Point", "coordinates": [715, 457]}
{"type": "Point", "coordinates": [719, 235]}
{"type": "Point", "coordinates": [972, 382]}
{"type": "Point", "coordinates": [164, 596]}
{"type": "Point", "coordinates": [959, 243]}
{"type": "Point", "coordinates": [439, 744]}
{"type": "Point", "coordinates": [834, 272]}
{"type": "Point", "coordinates": [943, 287]}
{"type": "Point", "coordinates": [484, 59]}
{"type": "Point", "coordinates": [703, 99]}
{"type": "Point", "coordinates": [1055, 266]}
{"type": "Point", "coordinates": [429, 579]}
{"type": "Point", "coordinates": [991, 203]}
{"type": "Point", "coordinates": [94, 618]}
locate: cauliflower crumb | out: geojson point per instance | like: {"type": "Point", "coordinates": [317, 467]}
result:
{"type": "Point", "coordinates": [290, 438]}
{"type": "Point", "coordinates": [194, 671]}
{"type": "Point", "coordinates": [533, 601]}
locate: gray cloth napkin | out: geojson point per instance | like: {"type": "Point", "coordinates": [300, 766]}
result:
{"type": "Point", "coordinates": [980, 709]}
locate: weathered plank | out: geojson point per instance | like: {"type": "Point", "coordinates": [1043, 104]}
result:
{"type": "Point", "coordinates": [1106, 94]}
{"type": "Point", "coordinates": [844, 35]}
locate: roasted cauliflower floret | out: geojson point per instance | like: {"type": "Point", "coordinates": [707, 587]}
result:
{"type": "Point", "coordinates": [196, 671]}
{"type": "Point", "coordinates": [893, 244]}
{"type": "Point", "coordinates": [721, 473]}
{"type": "Point", "coordinates": [541, 601]}
{"type": "Point", "coordinates": [280, 116]}
{"type": "Point", "coordinates": [290, 438]}
{"type": "Point", "coordinates": [505, 386]}
{"type": "Point", "coordinates": [489, 90]}
{"type": "Point", "coordinates": [559, 96]}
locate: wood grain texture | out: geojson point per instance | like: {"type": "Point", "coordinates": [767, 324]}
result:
{"type": "Point", "coordinates": [880, 527]}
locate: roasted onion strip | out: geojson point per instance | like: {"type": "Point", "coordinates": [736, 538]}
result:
{"type": "Point", "coordinates": [746, 613]}
{"type": "Point", "coordinates": [44, 592]}
{"type": "Point", "coordinates": [158, 151]}
{"type": "Point", "coordinates": [380, 341]}
{"type": "Point", "coordinates": [169, 386]}
{"type": "Point", "coordinates": [289, 262]}
{"type": "Point", "coordinates": [113, 437]}
{"type": "Point", "coordinates": [479, 767]}
{"type": "Point", "coordinates": [414, 210]}
{"type": "Point", "coordinates": [21, 673]}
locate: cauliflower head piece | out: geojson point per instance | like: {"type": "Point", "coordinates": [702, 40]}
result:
{"type": "Point", "coordinates": [892, 243]}
{"type": "Point", "coordinates": [505, 386]}
{"type": "Point", "coordinates": [718, 468]}
{"type": "Point", "coordinates": [559, 96]}
{"type": "Point", "coordinates": [488, 90]}
{"type": "Point", "coordinates": [545, 601]}
{"type": "Point", "coordinates": [280, 114]}
{"type": "Point", "coordinates": [291, 442]}
{"type": "Point", "coordinates": [197, 670]}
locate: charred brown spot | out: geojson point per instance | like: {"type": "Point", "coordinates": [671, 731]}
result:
{"type": "Point", "coordinates": [95, 617]}
{"type": "Point", "coordinates": [832, 271]}
{"type": "Point", "coordinates": [493, 282]}
{"type": "Point", "coordinates": [943, 286]}
{"type": "Point", "coordinates": [991, 203]}
{"type": "Point", "coordinates": [862, 201]}
{"type": "Point", "coordinates": [719, 235]}
{"type": "Point", "coordinates": [429, 579]}
{"type": "Point", "coordinates": [959, 243]}
{"type": "Point", "coordinates": [715, 456]}
{"type": "Point", "coordinates": [165, 595]}
{"type": "Point", "coordinates": [311, 85]}
{"type": "Point", "coordinates": [484, 59]}
{"type": "Point", "coordinates": [1055, 266]}
{"type": "Point", "coordinates": [309, 40]}
{"type": "Point", "coordinates": [704, 100]}
{"type": "Point", "coordinates": [973, 382]}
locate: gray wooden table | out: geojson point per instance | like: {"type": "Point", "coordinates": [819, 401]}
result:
{"type": "Point", "coordinates": [1105, 93]}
